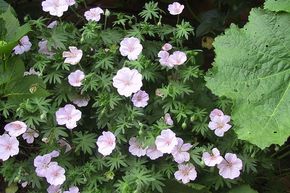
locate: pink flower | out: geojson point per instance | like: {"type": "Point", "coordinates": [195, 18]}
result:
{"type": "Point", "coordinates": [177, 58]}
{"type": "Point", "coordinates": [153, 153]}
{"type": "Point", "coordinates": [53, 154]}
{"type": "Point", "coordinates": [73, 56]}
{"type": "Point", "coordinates": [185, 173]}
{"type": "Point", "coordinates": [131, 48]}
{"type": "Point", "coordinates": [94, 14]}
{"type": "Point", "coordinates": [15, 128]}
{"type": "Point", "coordinates": [81, 101]}
{"type": "Point", "coordinates": [175, 8]}
{"type": "Point", "coordinates": [135, 148]}
{"type": "Point", "coordinates": [41, 163]}
{"type": "Point", "coordinates": [52, 24]}
{"type": "Point", "coordinates": [127, 81]}
{"type": "Point", "coordinates": [55, 7]}
{"type": "Point", "coordinates": [167, 119]}
{"type": "Point", "coordinates": [167, 47]}
{"type": "Point", "coordinates": [23, 46]}
{"type": "Point", "coordinates": [75, 78]}
{"type": "Point", "coordinates": [70, 2]}
{"type": "Point", "coordinates": [9, 146]}
{"type": "Point", "coordinates": [55, 174]}
{"type": "Point", "coordinates": [166, 141]}
{"type": "Point", "coordinates": [212, 159]}
{"type": "Point", "coordinates": [29, 135]}
{"type": "Point", "coordinates": [43, 49]}
{"type": "Point", "coordinates": [230, 167]}
{"type": "Point", "coordinates": [106, 143]}
{"type": "Point", "coordinates": [140, 99]}
{"type": "Point", "coordinates": [68, 116]}
{"type": "Point", "coordinates": [220, 125]}
{"type": "Point", "coordinates": [180, 153]}
{"type": "Point", "coordinates": [164, 59]}
{"type": "Point", "coordinates": [215, 112]}
{"type": "Point", "coordinates": [54, 189]}
{"type": "Point", "coordinates": [73, 189]}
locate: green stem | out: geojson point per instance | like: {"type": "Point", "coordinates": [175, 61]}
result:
{"type": "Point", "coordinates": [85, 4]}
{"type": "Point", "coordinates": [105, 24]}
{"type": "Point", "coordinates": [177, 22]}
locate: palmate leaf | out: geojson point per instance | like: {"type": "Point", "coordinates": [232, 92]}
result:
{"type": "Point", "coordinates": [252, 68]}
{"type": "Point", "coordinates": [277, 5]}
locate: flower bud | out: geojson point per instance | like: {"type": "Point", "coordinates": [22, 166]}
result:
{"type": "Point", "coordinates": [107, 13]}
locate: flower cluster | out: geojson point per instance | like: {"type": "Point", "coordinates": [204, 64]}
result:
{"type": "Point", "coordinates": [170, 60]}
{"type": "Point", "coordinates": [219, 122]}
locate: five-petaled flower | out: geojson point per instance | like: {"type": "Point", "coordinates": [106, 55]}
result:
{"type": "Point", "coordinates": [29, 135]}
{"type": "Point", "coordinates": [230, 167]}
{"type": "Point", "coordinates": [140, 99]}
{"type": "Point", "coordinates": [55, 7]}
{"type": "Point", "coordinates": [127, 81]}
{"type": "Point", "coordinates": [68, 116]}
{"type": "Point", "coordinates": [9, 146]}
{"type": "Point", "coordinates": [94, 14]}
{"type": "Point", "coordinates": [136, 148]}
{"type": "Point", "coordinates": [106, 143]}
{"type": "Point", "coordinates": [185, 173]}
{"type": "Point", "coordinates": [73, 56]}
{"type": "Point", "coordinates": [75, 78]}
{"type": "Point", "coordinates": [175, 8]}
{"type": "Point", "coordinates": [131, 47]}
{"type": "Point", "coordinates": [166, 141]}
{"type": "Point", "coordinates": [180, 151]}
{"type": "Point", "coordinates": [15, 128]}
{"type": "Point", "coordinates": [220, 125]}
{"type": "Point", "coordinates": [212, 159]}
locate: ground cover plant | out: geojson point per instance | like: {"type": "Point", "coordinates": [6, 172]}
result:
{"type": "Point", "coordinates": [109, 101]}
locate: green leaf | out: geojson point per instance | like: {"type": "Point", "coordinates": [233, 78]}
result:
{"type": "Point", "coordinates": [252, 67]}
{"type": "Point", "coordinates": [11, 24]}
{"type": "Point", "coordinates": [243, 189]}
{"type": "Point", "coordinates": [277, 5]}
{"type": "Point", "coordinates": [3, 6]}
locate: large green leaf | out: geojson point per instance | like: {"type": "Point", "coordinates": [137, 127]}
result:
{"type": "Point", "coordinates": [252, 67]}
{"type": "Point", "coordinates": [278, 5]}
{"type": "Point", "coordinates": [3, 6]}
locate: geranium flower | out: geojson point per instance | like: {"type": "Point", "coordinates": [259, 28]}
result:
{"type": "Point", "coordinates": [55, 7]}
{"type": "Point", "coordinates": [167, 119]}
{"type": "Point", "coordinates": [29, 135]}
{"type": "Point", "coordinates": [230, 167]}
{"type": "Point", "coordinates": [131, 48]}
{"type": "Point", "coordinates": [41, 163]}
{"type": "Point", "coordinates": [106, 143]}
{"type": "Point", "coordinates": [135, 148]}
{"type": "Point", "coordinates": [43, 49]}
{"type": "Point", "coordinates": [127, 81]}
{"type": "Point", "coordinates": [94, 14]}
{"type": "Point", "coordinates": [75, 78]}
{"type": "Point", "coordinates": [212, 159]}
{"type": "Point", "coordinates": [180, 153]}
{"type": "Point", "coordinates": [220, 125]}
{"type": "Point", "coordinates": [164, 59]}
{"type": "Point", "coordinates": [73, 56]}
{"type": "Point", "coordinates": [215, 112]}
{"type": "Point", "coordinates": [15, 128]}
{"type": "Point", "coordinates": [166, 141]}
{"type": "Point", "coordinates": [73, 189]}
{"type": "Point", "coordinates": [153, 153]}
{"type": "Point", "coordinates": [68, 116]}
{"type": "Point", "coordinates": [167, 47]}
{"type": "Point", "coordinates": [177, 58]}
{"type": "Point", "coordinates": [55, 174]}
{"type": "Point", "coordinates": [175, 8]}
{"type": "Point", "coordinates": [52, 24]}
{"type": "Point", "coordinates": [81, 101]}
{"type": "Point", "coordinates": [9, 146]}
{"type": "Point", "coordinates": [54, 189]}
{"type": "Point", "coordinates": [23, 46]}
{"type": "Point", "coordinates": [185, 173]}
{"type": "Point", "coordinates": [140, 99]}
